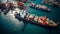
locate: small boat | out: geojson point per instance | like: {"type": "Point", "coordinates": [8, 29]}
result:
{"type": "Point", "coordinates": [41, 21]}
{"type": "Point", "coordinates": [40, 7]}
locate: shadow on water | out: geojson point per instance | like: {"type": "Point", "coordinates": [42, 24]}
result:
{"type": "Point", "coordinates": [25, 24]}
{"type": "Point", "coordinates": [55, 30]}
{"type": "Point", "coordinates": [51, 30]}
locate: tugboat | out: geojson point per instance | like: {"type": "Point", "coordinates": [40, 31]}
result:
{"type": "Point", "coordinates": [40, 7]}
{"type": "Point", "coordinates": [41, 21]}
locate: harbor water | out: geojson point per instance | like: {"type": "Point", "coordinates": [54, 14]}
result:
{"type": "Point", "coordinates": [10, 25]}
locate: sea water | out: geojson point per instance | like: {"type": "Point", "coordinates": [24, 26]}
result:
{"type": "Point", "coordinates": [11, 25]}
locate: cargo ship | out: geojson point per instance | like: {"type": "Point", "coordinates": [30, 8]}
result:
{"type": "Point", "coordinates": [39, 7]}
{"type": "Point", "coordinates": [41, 21]}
